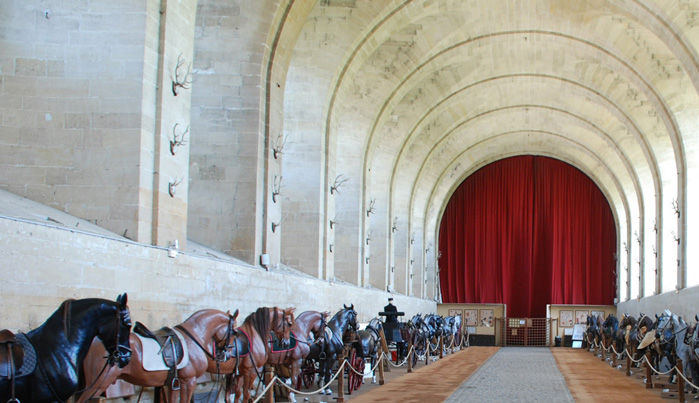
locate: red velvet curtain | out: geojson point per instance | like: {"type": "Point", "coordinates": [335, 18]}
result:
{"type": "Point", "coordinates": [528, 231]}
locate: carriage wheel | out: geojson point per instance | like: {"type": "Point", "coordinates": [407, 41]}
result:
{"type": "Point", "coordinates": [354, 381]}
{"type": "Point", "coordinates": [309, 377]}
{"type": "Point", "coordinates": [359, 366]}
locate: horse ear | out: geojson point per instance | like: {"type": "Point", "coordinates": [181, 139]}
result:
{"type": "Point", "coordinates": [351, 307]}
{"type": "Point", "coordinates": [122, 299]}
{"type": "Point", "coordinates": [235, 314]}
{"type": "Point", "coordinates": [345, 306]}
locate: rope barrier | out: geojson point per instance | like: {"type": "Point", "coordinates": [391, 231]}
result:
{"type": "Point", "coordinates": [261, 395]}
{"type": "Point", "coordinates": [405, 360]}
{"type": "Point", "coordinates": [631, 357]}
{"type": "Point", "coordinates": [436, 348]}
{"type": "Point", "coordinates": [686, 380]}
{"type": "Point", "coordinates": [339, 371]}
{"type": "Point", "coordinates": [655, 370]}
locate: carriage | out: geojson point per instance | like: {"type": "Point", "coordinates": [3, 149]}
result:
{"type": "Point", "coordinates": [397, 333]}
{"type": "Point", "coordinates": [360, 347]}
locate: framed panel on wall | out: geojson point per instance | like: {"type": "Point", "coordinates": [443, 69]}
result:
{"type": "Point", "coordinates": [565, 318]}
{"type": "Point", "coordinates": [597, 314]}
{"type": "Point", "coordinates": [581, 317]}
{"type": "Point", "coordinates": [485, 317]}
{"type": "Point", "coordinates": [471, 317]}
{"type": "Point", "coordinates": [455, 312]}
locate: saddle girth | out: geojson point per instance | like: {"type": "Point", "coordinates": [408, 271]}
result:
{"type": "Point", "coordinates": [171, 350]}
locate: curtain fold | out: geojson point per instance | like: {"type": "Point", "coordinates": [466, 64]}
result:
{"type": "Point", "coordinates": [528, 231]}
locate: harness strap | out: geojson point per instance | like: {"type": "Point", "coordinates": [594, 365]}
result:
{"type": "Point", "coordinates": [194, 339]}
{"type": "Point", "coordinates": [175, 384]}
{"type": "Point", "coordinates": [260, 376]}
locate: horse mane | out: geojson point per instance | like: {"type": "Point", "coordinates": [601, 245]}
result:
{"type": "Point", "coordinates": [259, 320]}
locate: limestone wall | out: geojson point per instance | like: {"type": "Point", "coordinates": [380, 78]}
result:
{"type": "Point", "coordinates": [684, 303]}
{"type": "Point", "coordinates": [41, 265]}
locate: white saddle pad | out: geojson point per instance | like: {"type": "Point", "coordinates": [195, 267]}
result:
{"type": "Point", "coordinates": [153, 360]}
{"type": "Point", "coordinates": [647, 340]}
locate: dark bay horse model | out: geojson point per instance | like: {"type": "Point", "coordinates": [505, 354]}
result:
{"type": "Point", "coordinates": [337, 331]}
{"type": "Point", "coordinates": [610, 326]}
{"type": "Point", "coordinates": [253, 346]}
{"type": "Point", "coordinates": [46, 366]}
{"type": "Point", "coordinates": [626, 324]}
{"type": "Point", "coordinates": [206, 332]}
{"type": "Point", "coordinates": [308, 329]}
{"type": "Point", "coordinates": [642, 338]}
{"type": "Point", "coordinates": [592, 330]}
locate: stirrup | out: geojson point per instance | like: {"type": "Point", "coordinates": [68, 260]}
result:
{"type": "Point", "coordinates": [175, 384]}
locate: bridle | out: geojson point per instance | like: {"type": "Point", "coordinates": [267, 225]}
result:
{"type": "Point", "coordinates": [118, 352]}
{"type": "Point", "coordinates": [222, 353]}
{"type": "Point", "coordinates": [282, 327]}
{"type": "Point", "coordinates": [373, 328]}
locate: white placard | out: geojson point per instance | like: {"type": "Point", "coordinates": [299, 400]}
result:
{"type": "Point", "coordinates": [578, 331]}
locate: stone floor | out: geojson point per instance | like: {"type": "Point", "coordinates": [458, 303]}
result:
{"type": "Point", "coordinates": [516, 374]}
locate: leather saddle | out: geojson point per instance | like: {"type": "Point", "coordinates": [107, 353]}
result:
{"type": "Point", "coordinates": [11, 354]}
{"type": "Point", "coordinates": [171, 349]}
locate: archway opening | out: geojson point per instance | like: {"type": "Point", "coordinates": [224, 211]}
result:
{"type": "Point", "coordinates": [528, 231]}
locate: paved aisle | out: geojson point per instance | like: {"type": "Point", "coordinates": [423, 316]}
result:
{"type": "Point", "coordinates": [516, 374]}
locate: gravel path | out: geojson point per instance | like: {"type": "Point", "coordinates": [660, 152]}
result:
{"type": "Point", "coordinates": [516, 374]}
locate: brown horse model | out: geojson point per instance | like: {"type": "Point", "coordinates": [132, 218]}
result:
{"type": "Point", "coordinates": [252, 348]}
{"type": "Point", "coordinates": [207, 332]}
{"type": "Point", "coordinates": [307, 323]}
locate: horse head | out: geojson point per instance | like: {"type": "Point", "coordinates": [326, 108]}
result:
{"type": "Point", "coordinates": [318, 328]}
{"type": "Point", "coordinates": [349, 316]}
{"type": "Point", "coordinates": [114, 331]}
{"type": "Point", "coordinates": [663, 326]}
{"type": "Point", "coordinates": [284, 321]}
{"type": "Point", "coordinates": [223, 335]}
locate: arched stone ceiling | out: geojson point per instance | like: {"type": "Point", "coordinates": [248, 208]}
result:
{"type": "Point", "coordinates": [431, 90]}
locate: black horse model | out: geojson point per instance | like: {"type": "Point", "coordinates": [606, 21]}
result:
{"type": "Point", "coordinates": [419, 336]}
{"type": "Point", "coordinates": [45, 362]}
{"type": "Point", "coordinates": [336, 331]}
{"type": "Point", "coordinates": [369, 340]}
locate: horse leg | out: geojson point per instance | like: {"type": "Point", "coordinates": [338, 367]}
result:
{"type": "Point", "coordinates": [328, 374]}
{"type": "Point", "coordinates": [187, 390]}
{"type": "Point", "coordinates": [228, 390]}
{"type": "Point", "coordinates": [293, 379]}
{"type": "Point", "coordinates": [321, 375]}
{"type": "Point", "coordinates": [249, 381]}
